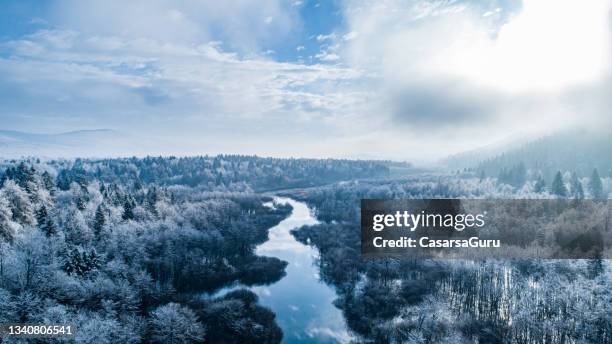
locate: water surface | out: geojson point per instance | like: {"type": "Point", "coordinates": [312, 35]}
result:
{"type": "Point", "coordinates": [301, 302]}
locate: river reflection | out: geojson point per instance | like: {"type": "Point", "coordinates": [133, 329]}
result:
{"type": "Point", "coordinates": [301, 302]}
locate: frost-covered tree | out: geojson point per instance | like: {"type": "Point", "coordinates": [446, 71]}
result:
{"type": "Point", "coordinates": [515, 175]}
{"type": "Point", "coordinates": [99, 221]}
{"type": "Point", "coordinates": [47, 181]}
{"type": "Point", "coordinates": [29, 259]}
{"type": "Point", "coordinates": [41, 215]}
{"type": "Point", "coordinates": [75, 227]}
{"type": "Point", "coordinates": [29, 306]}
{"type": "Point", "coordinates": [8, 308]}
{"type": "Point", "coordinates": [151, 201]}
{"type": "Point", "coordinates": [558, 186]}
{"type": "Point", "coordinates": [540, 184]}
{"type": "Point", "coordinates": [128, 209]}
{"type": "Point", "coordinates": [175, 324]}
{"type": "Point", "coordinates": [576, 187]}
{"type": "Point", "coordinates": [45, 222]}
{"type": "Point", "coordinates": [596, 186]}
{"type": "Point", "coordinates": [96, 329]}
{"type": "Point", "coordinates": [81, 262]}
{"type": "Point", "coordinates": [7, 227]}
{"type": "Point", "coordinates": [19, 202]}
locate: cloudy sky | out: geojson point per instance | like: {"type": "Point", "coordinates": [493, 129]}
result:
{"type": "Point", "coordinates": [409, 80]}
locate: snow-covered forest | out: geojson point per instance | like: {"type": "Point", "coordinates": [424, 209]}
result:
{"type": "Point", "coordinates": [121, 248]}
{"type": "Point", "coordinates": [459, 301]}
{"type": "Point", "coordinates": [195, 171]}
{"type": "Point", "coordinates": [125, 248]}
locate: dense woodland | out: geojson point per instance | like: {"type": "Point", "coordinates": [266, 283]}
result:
{"type": "Point", "coordinates": [222, 172]}
{"type": "Point", "coordinates": [458, 301]}
{"type": "Point", "coordinates": [122, 248]}
{"type": "Point", "coordinates": [578, 151]}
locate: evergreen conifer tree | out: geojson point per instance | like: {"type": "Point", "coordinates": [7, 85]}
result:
{"type": "Point", "coordinates": [558, 187]}
{"type": "Point", "coordinates": [540, 184]}
{"type": "Point", "coordinates": [128, 209]}
{"type": "Point", "coordinates": [576, 187]}
{"type": "Point", "coordinates": [99, 221]}
{"type": "Point", "coordinates": [596, 186]}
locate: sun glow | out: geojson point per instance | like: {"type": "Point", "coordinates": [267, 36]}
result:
{"type": "Point", "coordinates": [549, 45]}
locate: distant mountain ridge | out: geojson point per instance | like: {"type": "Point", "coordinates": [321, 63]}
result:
{"type": "Point", "coordinates": [25, 136]}
{"type": "Point", "coordinates": [576, 150]}
{"type": "Point", "coordinates": [96, 142]}
{"type": "Point", "coordinates": [473, 157]}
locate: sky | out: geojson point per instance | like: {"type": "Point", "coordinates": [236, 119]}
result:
{"type": "Point", "coordinates": [385, 79]}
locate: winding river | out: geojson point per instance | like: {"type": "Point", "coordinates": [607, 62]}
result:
{"type": "Point", "coordinates": [301, 302]}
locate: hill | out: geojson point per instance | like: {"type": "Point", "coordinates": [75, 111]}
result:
{"type": "Point", "coordinates": [577, 150]}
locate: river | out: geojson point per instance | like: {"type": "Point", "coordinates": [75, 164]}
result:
{"type": "Point", "coordinates": [301, 302]}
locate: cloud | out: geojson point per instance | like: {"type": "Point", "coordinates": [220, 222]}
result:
{"type": "Point", "coordinates": [322, 38]}
{"type": "Point", "coordinates": [327, 56]}
{"type": "Point", "coordinates": [431, 105]}
{"type": "Point", "coordinates": [390, 78]}
{"type": "Point", "coordinates": [443, 65]}
{"type": "Point", "coordinates": [493, 12]}
{"type": "Point", "coordinates": [535, 49]}
{"type": "Point", "coordinates": [246, 26]}
{"type": "Point", "coordinates": [350, 36]}
{"type": "Point", "coordinates": [58, 80]}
